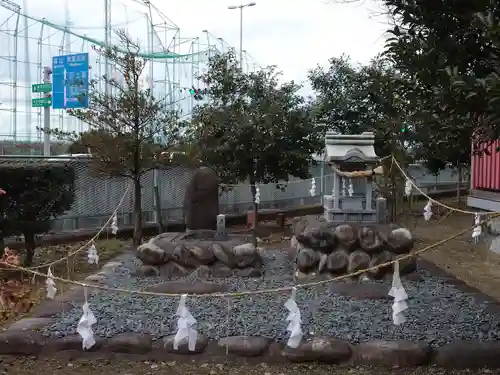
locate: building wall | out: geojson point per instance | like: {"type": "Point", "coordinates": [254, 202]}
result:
{"type": "Point", "coordinates": [486, 170]}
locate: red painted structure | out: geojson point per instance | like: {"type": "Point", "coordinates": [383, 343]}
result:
{"type": "Point", "coordinates": [486, 170]}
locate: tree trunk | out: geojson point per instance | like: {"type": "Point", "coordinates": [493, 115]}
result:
{"type": "Point", "coordinates": [255, 207]}
{"type": "Point", "coordinates": [30, 243]}
{"type": "Point", "coordinates": [137, 213]}
{"type": "Point", "coordinates": [459, 182]}
{"type": "Point", "coordinates": [159, 219]}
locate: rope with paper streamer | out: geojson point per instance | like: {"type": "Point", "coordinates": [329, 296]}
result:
{"type": "Point", "coordinates": [187, 324]}
{"type": "Point", "coordinates": [253, 292]}
{"type": "Point", "coordinates": [413, 185]}
{"type": "Point", "coordinates": [89, 245]}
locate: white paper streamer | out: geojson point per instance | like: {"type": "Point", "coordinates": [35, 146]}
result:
{"type": "Point", "coordinates": [400, 297]}
{"type": "Point", "coordinates": [186, 326]}
{"type": "Point", "coordinates": [51, 285]}
{"type": "Point", "coordinates": [408, 188]}
{"type": "Point", "coordinates": [476, 232]}
{"type": "Point", "coordinates": [114, 224]}
{"type": "Point", "coordinates": [294, 321]}
{"type": "Point", "coordinates": [92, 255]}
{"type": "Point", "coordinates": [312, 190]}
{"type": "Point", "coordinates": [428, 210]}
{"type": "Point", "coordinates": [84, 327]}
{"type": "Point", "coordinates": [257, 194]}
{"type": "Point", "coordinates": [350, 189]}
{"type": "Point", "coordinates": [344, 187]}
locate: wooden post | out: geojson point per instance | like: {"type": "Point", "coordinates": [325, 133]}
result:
{"type": "Point", "coordinates": [280, 220]}
{"type": "Point", "coordinates": [159, 221]}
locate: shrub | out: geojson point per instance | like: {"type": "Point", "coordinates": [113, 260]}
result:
{"type": "Point", "coordinates": [36, 194]}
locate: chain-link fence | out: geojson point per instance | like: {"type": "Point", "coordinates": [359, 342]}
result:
{"type": "Point", "coordinates": [97, 197]}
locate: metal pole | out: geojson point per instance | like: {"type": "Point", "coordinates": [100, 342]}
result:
{"type": "Point", "coordinates": [241, 38]}
{"type": "Point", "coordinates": [46, 114]}
{"type": "Point", "coordinates": [107, 36]}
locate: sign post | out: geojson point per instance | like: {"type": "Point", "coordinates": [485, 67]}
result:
{"type": "Point", "coordinates": [44, 102]}
{"type": "Point", "coordinates": [46, 111]}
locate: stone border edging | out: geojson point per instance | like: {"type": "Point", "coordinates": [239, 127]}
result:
{"type": "Point", "coordinates": [322, 349]}
{"type": "Point", "coordinates": [22, 339]}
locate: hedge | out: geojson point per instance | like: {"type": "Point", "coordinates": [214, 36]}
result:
{"type": "Point", "coordinates": [35, 195]}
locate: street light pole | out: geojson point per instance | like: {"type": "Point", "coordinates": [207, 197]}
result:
{"type": "Point", "coordinates": [241, 39]}
{"type": "Point", "coordinates": [240, 7]}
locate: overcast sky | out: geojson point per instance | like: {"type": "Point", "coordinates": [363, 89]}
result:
{"type": "Point", "coordinates": [295, 35]}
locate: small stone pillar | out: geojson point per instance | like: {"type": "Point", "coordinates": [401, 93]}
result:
{"type": "Point", "coordinates": [381, 209]}
{"type": "Point", "coordinates": [336, 190]}
{"type": "Point", "coordinates": [221, 234]}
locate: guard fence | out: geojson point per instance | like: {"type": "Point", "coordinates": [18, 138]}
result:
{"type": "Point", "coordinates": [97, 197]}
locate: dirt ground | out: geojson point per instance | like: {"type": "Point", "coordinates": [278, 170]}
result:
{"type": "Point", "coordinates": [472, 263]}
{"type": "Point", "coordinates": [123, 367]}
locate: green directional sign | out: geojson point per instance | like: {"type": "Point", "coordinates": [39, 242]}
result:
{"type": "Point", "coordinates": [41, 102]}
{"type": "Point", "coordinates": [41, 87]}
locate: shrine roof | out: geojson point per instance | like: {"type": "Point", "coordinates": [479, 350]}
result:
{"type": "Point", "coordinates": [350, 148]}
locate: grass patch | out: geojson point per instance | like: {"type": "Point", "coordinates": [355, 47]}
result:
{"type": "Point", "coordinates": [75, 267]}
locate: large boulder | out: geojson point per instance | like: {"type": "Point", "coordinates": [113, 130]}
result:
{"type": "Point", "coordinates": [370, 240]}
{"type": "Point", "coordinates": [151, 255]}
{"type": "Point", "coordinates": [223, 255]}
{"type": "Point", "coordinates": [201, 200]}
{"type": "Point", "coordinates": [182, 256]}
{"type": "Point", "coordinates": [318, 238]}
{"type": "Point", "coordinates": [299, 225]}
{"type": "Point", "coordinates": [246, 255]}
{"type": "Point", "coordinates": [358, 260]}
{"type": "Point", "coordinates": [338, 262]}
{"type": "Point", "coordinates": [203, 253]}
{"type": "Point", "coordinates": [379, 259]}
{"type": "Point", "coordinates": [307, 260]}
{"type": "Point", "coordinates": [347, 236]}
{"type": "Point", "coordinates": [400, 241]}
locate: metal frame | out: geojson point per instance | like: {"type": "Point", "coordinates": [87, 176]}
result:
{"type": "Point", "coordinates": [21, 31]}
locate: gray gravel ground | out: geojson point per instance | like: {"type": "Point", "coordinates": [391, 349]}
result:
{"type": "Point", "coordinates": [438, 312]}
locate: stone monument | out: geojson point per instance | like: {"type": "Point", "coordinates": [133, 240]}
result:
{"type": "Point", "coordinates": [356, 203]}
{"type": "Point", "coordinates": [201, 200]}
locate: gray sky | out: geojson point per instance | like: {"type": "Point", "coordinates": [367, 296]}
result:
{"type": "Point", "coordinates": [295, 35]}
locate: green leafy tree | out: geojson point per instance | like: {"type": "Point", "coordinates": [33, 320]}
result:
{"type": "Point", "coordinates": [483, 89]}
{"type": "Point", "coordinates": [353, 99]}
{"type": "Point", "coordinates": [434, 42]}
{"type": "Point", "coordinates": [36, 194]}
{"type": "Point", "coordinates": [254, 128]}
{"type": "Point", "coordinates": [450, 57]}
{"type": "Point", "coordinates": [128, 126]}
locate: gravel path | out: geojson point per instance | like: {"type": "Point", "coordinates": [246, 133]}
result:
{"type": "Point", "coordinates": [438, 312]}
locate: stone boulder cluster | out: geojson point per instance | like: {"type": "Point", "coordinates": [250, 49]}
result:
{"type": "Point", "coordinates": [326, 249]}
{"type": "Point", "coordinates": [178, 254]}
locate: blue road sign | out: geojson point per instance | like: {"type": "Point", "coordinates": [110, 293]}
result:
{"type": "Point", "coordinates": [70, 81]}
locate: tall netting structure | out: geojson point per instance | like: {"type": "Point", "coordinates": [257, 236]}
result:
{"type": "Point", "coordinates": [29, 39]}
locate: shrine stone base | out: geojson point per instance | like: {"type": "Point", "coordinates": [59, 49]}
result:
{"type": "Point", "coordinates": [354, 210]}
